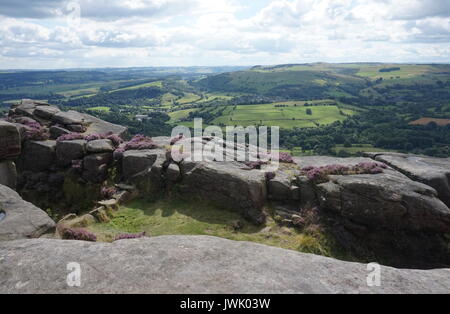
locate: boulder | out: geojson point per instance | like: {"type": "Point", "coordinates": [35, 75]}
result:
{"type": "Point", "coordinates": [10, 140]}
{"type": "Point", "coordinates": [38, 155]}
{"type": "Point", "coordinates": [68, 118]}
{"type": "Point", "coordinates": [67, 151]}
{"type": "Point", "coordinates": [162, 141]}
{"type": "Point", "coordinates": [385, 201]}
{"type": "Point", "coordinates": [8, 174]}
{"type": "Point", "coordinates": [226, 183]}
{"type": "Point", "coordinates": [46, 112]}
{"type": "Point", "coordinates": [22, 219]}
{"type": "Point", "coordinates": [135, 162]}
{"type": "Point", "coordinates": [434, 172]}
{"type": "Point", "coordinates": [195, 265]}
{"type": "Point", "coordinates": [78, 222]}
{"type": "Point", "coordinates": [25, 109]}
{"type": "Point", "coordinates": [95, 167]}
{"type": "Point", "coordinates": [77, 128]}
{"type": "Point", "coordinates": [57, 131]}
{"type": "Point", "coordinates": [100, 146]}
{"type": "Point", "coordinates": [98, 126]}
{"type": "Point", "coordinates": [279, 188]}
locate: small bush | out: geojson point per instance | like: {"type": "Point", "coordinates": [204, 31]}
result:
{"type": "Point", "coordinates": [70, 137]}
{"type": "Point", "coordinates": [108, 192]}
{"type": "Point", "coordinates": [321, 174]}
{"type": "Point", "coordinates": [128, 236]}
{"type": "Point", "coordinates": [78, 234]}
{"type": "Point", "coordinates": [140, 142]}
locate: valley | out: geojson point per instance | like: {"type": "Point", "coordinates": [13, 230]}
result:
{"type": "Point", "coordinates": [316, 105]}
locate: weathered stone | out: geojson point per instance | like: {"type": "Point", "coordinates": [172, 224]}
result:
{"type": "Point", "coordinates": [78, 222]}
{"type": "Point", "coordinates": [100, 146]}
{"type": "Point", "coordinates": [135, 162]}
{"type": "Point", "coordinates": [10, 141]}
{"type": "Point", "coordinates": [434, 172]}
{"type": "Point", "coordinates": [110, 205]}
{"type": "Point", "coordinates": [227, 184]}
{"type": "Point", "coordinates": [308, 196]}
{"type": "Point", "coordinates": [100, 215]}
{"type": "Point", "coordinates": [387, 200]}
{"type": "Point", "coordinates": [23, 220]}
{"type": "Point", "coordinates": [96, 167]}
{"type": "Point", "coordinates": [161, 264]}
{"type": "Point", "coordinates": [8, 174]}
{"type": "Point", "coordinates": [46, 112]}
{"type": "Point", "coordinates": [77, 128]}
{"type": "Point", "coordinates": [279, 188]}
{"type": "Point", "coordinates": [162, 141]}
{"type": "Point", "coordinates": [38, 156]}
{"type": "Point", "coordinates": [57, 131]}
{"type": "Point", "coordinates": [68, 118]}
{"type": "Point", "coordinates": [173, 173]}
{"type": "Point", "coordinates": [25, 109]}
{"type": "Point", "coordinates": [67, 151]}
{"type": "Point", "coordinates": [98, 126]}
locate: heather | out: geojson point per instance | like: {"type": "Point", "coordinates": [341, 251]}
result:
{"type": "Point", "coordinates": [321, 174]}
{"type": "Point", "coordinates": [138, 142]}
{"type": "Point", "coordinates": [115, 139]}
{"type": "Point", "coordinates": [77, 234]}
{"type": "Point", "coordinates": [108, 192]}
{"type": "Point", "coordinates": [128, 236]}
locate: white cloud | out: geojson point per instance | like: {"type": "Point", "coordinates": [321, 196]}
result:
{"type": "Point", "coordinates": [197, 32]}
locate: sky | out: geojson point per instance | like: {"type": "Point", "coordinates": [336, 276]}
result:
{"type": "Point", "coordinates": [54, 34]}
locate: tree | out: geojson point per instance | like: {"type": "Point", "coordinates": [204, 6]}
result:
{"type": "Point", "coordinates": [309, 112]}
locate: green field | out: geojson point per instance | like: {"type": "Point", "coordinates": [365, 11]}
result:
{"type": "Point", "coordinates": [360, 148]}
{"type": "Point", "coordinates": [100, 108]}
{"type": "Point", "coordinates": [285, 117]}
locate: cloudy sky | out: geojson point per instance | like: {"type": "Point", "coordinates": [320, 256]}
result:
{"type": "Point", "coordinates": [123, 33]}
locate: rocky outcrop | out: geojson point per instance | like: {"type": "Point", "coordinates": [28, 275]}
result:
{"type": "Point", "coordinates": [38, 155]}
{"type": "Point", "coordinates": [385, 201]}
{"type": "Point", "coordinates": [135, 162]}
{"type": "Point", "coordinates": [22, 219]}
{"type": "Point", "coordinates": [434, 172]}
{"type": "Point", "coordinates": [68, 151]}
{"type": "Point", "coordinates": [226, 183]}
{"type": "Point", "coordinates": [8, 174]}
{"type": "Point", "coordinates": [10, 141]}
{"type": "Point", "coordinates": [197, 264]}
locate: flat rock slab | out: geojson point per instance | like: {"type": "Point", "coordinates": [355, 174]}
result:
{"type": "Point", "coordinates": [320, 161]}
{"type": "Point", "coordinates": [68, 118]}
{"type": "Point", "coordinates": [98, 126]}
{"type": "Point", "coordinates": [434, 172]}
{"type": "Point", "coordinates": [23, 220]}
{"type": "Point", "coordinates": [194, 264]}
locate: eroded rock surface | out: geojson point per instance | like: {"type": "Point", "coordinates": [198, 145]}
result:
{"type": "Point", "coordinates": [22, 220]}
{"type": "Point", "coordinates": [194, 264]}
{"type": "Point", "coordinates": [434, 172]}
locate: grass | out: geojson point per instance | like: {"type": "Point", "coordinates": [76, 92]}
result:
{"type": "Point", "coordinates": [176, 116]}
{"type": "Point", "coordinates": [188, 98]}
{"type": "Point", "coordinates": [150, 84]}
{"type": "Point", "coordinates": [405, 72]}
{"type": "Point", "coordinates": [357, 148]}
{"type": "Point", "coordinates": [284, 117]}
{"type": "Point", "coordinates": [100, 108]}
{"type": "Point", "coordinates": [181, 217]}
